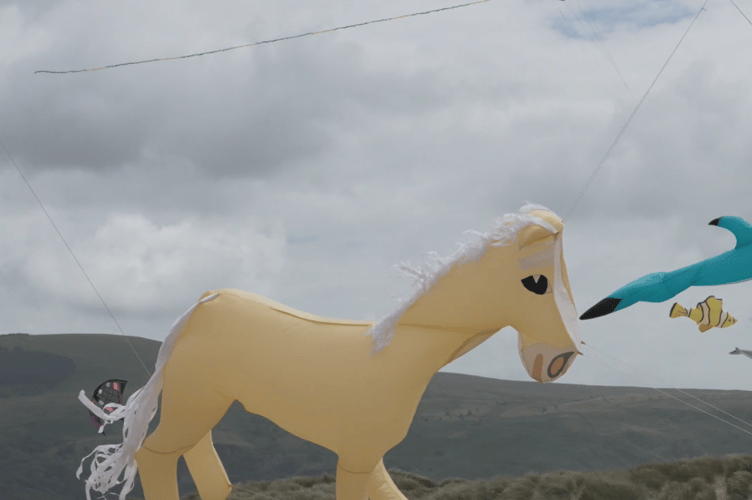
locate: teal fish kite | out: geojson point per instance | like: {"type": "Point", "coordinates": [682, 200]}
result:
{"type": "Point", "coordinates": [733, 266]}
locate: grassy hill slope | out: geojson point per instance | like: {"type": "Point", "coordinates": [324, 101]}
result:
{"type": "Point", "coordinates": [465, 427]}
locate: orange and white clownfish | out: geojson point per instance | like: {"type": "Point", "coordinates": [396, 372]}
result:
{"type": "Point", "coordinates": [708, 314]}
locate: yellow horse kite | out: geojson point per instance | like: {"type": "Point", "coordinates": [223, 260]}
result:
{"type": "Point", "coordinates": [349, 386]}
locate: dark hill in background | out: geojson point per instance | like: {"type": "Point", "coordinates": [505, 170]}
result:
{"type": "Point", "coordinates": [465, 427]}
{"type": "Point", "coordinates": [25, 373]}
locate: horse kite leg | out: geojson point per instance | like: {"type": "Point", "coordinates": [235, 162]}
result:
{"type": "Point", "coordinates": [184, 428]}
{"type": "Point", "coordinates": [381, 486]}
{"type": "Point", "coordinates": [207, 471]}
{"type": "Point", "coordinates": [351, 485]}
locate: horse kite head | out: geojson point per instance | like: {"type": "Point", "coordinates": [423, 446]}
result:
{"type": "Point", "coordinates": [513, 275]}
{"type": "Point", "coordinates": [545, 317]}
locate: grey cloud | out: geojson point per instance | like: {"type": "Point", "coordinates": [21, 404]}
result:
{"type": "Point", "coordinates": [32, 8]}
{"type": "Point", "coordinates": [284, 105]}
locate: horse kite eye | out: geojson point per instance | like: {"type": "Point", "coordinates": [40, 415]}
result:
{"type": "Point", "coordinates": [537, 284]}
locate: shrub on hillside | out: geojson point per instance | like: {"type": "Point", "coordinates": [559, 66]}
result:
{"type": "Point", "coordinates": [738, 485]}
{"type": "Point", "coordinates": [600, 488]}
{"type": "Point", "coordinates": [695, 489]}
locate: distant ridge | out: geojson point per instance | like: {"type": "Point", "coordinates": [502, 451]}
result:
{"type": "Point", "coordinates": [466, 426]}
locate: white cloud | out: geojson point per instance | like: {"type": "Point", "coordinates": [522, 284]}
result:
{"type": "Point", "coordinates": [140, 267]}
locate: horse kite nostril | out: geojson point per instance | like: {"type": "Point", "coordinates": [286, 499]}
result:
{"type": "Point", "coordinates": [605, 306]}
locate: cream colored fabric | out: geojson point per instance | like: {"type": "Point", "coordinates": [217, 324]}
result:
{"type": "Point", "coordinates": [320, 378]}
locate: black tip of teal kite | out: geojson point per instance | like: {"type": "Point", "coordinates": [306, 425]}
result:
{"type": "Point", "coordinates": [605, 306]}
{"type": "Point", "coordinates": [714, 222]}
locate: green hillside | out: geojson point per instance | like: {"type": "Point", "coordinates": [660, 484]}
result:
{"type": "Point", "coordinates": [465, 427]}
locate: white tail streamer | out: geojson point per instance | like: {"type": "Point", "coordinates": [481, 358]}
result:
{"type": "Point", "coordinates": [113, 461]}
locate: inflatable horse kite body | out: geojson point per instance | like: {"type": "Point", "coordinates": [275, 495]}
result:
{"type": "Point", "coordinates": [349, 386]}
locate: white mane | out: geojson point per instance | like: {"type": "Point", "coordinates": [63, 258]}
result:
{"type": "Point", "coordinates": [503, 232]}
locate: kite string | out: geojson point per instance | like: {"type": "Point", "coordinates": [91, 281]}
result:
{"type": "Point", "coordinates": [600, 43]}
{"type": "Point", "coordinates": [740, 12]}
{"type": "Point", "coordinates": [274, 40]}
{"type": "Point", "coordinates": [72, 254]}
{"type": "Point", "coordinates": [675, 388]}
{"type": "Point", "coordinates": [629, 120]}
{"type": "Point", "coordinates": [669, 395]}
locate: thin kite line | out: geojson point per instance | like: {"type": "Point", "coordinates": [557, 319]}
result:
{"type": "Point", "coordinates": [740, 12]}
{"type": "Point", "coordinates": [274, 40]}
{"type": "Point", "coordinates": [72, 254]}
{"type": "Point", "coordinates": [674, 397]}
{"type": "Point", "coordinates": [629, 120]}
{"type": "Point", "coordinates": [600, 42]}
{"type": "Point", "coordinates": [664, 382]}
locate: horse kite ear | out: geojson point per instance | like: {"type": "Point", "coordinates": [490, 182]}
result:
{"type": "Point", "coordinates": [534, 234]}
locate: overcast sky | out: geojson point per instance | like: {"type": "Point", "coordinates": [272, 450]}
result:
{"type": "Point", "coordinates": [304, 170]}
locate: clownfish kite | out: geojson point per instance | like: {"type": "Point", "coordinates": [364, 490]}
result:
{"type": "Point", "coordinates": [733, 266]}
{"type": "Point", "coordinates": [708, 314]}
